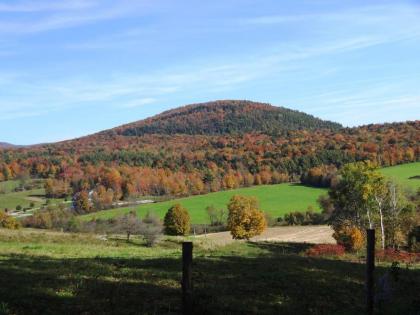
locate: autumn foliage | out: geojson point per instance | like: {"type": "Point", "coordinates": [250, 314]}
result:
{"type": "Point", "coordinates": [245, 220]}
{"type": "Point", "coordinates": [207, 148]}
{"type": "Point", "coordinates": [81, 202]}
{"type": "Point", "coordinates": [8, 222]}
{"type": "Point", "coordinates": [177, 221]}
{"type": "Point", "coordinates": [391, 255]}
{"type": "Point", "coordinates": [348, 236]}
{"type": "Point", "coordinates": [326, 250]}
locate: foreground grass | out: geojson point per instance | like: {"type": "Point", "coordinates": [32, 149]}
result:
{"type": "Point", "coordinates": [274, 199]}
{"type": "Point", "coordinates": [55, 273]}
{"type": "Point", "coordinates": [404, 174]}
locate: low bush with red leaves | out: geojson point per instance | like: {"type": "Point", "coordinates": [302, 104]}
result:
{"type": "Point", "coordinates": [391, 255]}
{"type": "Point", "coordinates": [326, 250]}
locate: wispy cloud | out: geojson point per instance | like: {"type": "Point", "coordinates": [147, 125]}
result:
{"type": "Point", "coordinates": [367, 14]}
{"type": "Point", "coordinates": [42, 6]}
{"type": "Point", "coordinates": [130, 90]}
{"type": "Point", "coordinates": [212, 68]}
{"type": "Point", "coordinates": [139, 102]}
{"type": "Point", "coordinates": [387, 101]}
{"type": "Point", "coordinates": [59, 15]}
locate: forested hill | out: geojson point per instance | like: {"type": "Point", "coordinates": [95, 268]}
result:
{"type": "Point", "coordinates": [225, 117]}
{"type": "Point", "coordinates": [206, 148]}
{"type": "Point", "coordinates": [5, 145]}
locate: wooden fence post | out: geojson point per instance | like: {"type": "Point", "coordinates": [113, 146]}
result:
{"type": "Point", "coordinates": [187, 299]}
{"type": "Point", "coordinates": [370, 267]}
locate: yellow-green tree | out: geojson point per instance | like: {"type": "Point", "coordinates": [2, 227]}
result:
{"type": "Point", "coordinates": [177, 221]}
{"type": "Point", "coordinates": [81, 202]}
{"type": "Point", "coordinates": [245, 220]}
{"type": "Point", "coordinates": [8, 222]}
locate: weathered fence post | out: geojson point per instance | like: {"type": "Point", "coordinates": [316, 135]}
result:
{"type": "Point", "coordinates": [187, 256]}
{"type": "Point", "coordinates": [370, 267]}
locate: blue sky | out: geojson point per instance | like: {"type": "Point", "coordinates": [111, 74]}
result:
{"type": "Point", "coordinates": [73, 67]}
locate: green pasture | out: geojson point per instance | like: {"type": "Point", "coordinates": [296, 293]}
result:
{"type": "Point", "coordinates": [273, 199]}
{"type": "Point", "coordinates": [9, 198]}
{"type": "Point", "coordinates": [407, 175]}
{"type": "Point", "coordinates": [23, 198]}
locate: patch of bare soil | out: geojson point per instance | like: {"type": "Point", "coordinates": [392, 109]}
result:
{"type": "Point", "coordinates": [315, 234]}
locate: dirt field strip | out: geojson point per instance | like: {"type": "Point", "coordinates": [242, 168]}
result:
{"type": "Point", "coordinates": [316, 234]}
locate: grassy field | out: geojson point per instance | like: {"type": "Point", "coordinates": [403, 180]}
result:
{"type": "Point", "coordinates": [9, 186]}
{"type": "Point", "coordinates": [10, 199]}
{"type": "Point", "coordinates": [24, 199]}
{"type": "Point", "coordinates": [55, 273]}
{"type": "Point", "coordinates": [404, 174]}
{"type": "Point", "coordinates": [274, 199]}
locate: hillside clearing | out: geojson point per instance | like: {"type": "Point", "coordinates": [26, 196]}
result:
{"type": "Point", "coordinates": [10, 199]}
{"type": "Point", "coordinates": [276, 200]}
{"type": "Point", "coordinates": [407, 175]}
{"type": "Point", "coordinates": [22, 198]}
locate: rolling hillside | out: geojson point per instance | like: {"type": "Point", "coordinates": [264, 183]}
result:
{"type": "Point", "coordinates": [275, 200]}
{"type": "Point", "coordinates": [204, 148]}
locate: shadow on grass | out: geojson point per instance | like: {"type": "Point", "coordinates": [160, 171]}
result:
{"type": "Point", "coordinates": [37, 195]}
{"type": "Point", "coordinates": [282, 248]}
{"type": "Point", "coordinates": [278, 282]}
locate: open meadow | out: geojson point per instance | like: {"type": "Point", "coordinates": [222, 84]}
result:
{"type": "Point", "coordinates": [11, 195]}
{"type": "Point", "coordinates": [34, 197]}
{"type": "Point", "coordinates": [276, 200]}
{"type": "Point", "coordinates": [273, 199]}
{"type": "Point", "coordinates": [407, 175]}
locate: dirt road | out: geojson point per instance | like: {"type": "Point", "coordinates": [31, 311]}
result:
{"type": "Point", "coordinates": [315, 234]}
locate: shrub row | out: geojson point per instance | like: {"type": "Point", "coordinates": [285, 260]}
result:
{"type": "Point", "coordinates": [391, 255]}
{"type": "Point", "coordinates": [326, 250]}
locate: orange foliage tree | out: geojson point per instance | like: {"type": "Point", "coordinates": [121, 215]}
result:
{"type": "Point", "coordinates": [348, 236]}
{"type": "Point", "coordinates": [245, 220]}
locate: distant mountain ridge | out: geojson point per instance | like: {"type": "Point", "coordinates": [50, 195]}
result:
{"type": "Point", "coordinates": [225, 117]}
{"type": "Point", "coordinates": [5, 145]}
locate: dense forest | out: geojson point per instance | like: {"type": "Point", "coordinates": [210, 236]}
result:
{"type": "Point", "coordinates": [208, 147]}
{"type": "Point", "coordinates": [226, 117]}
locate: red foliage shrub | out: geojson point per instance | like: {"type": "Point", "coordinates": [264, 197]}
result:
{"type": "Point", "coordinates": [325, 250]}
{"type": "Point", "coordinates": [392, 255]}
